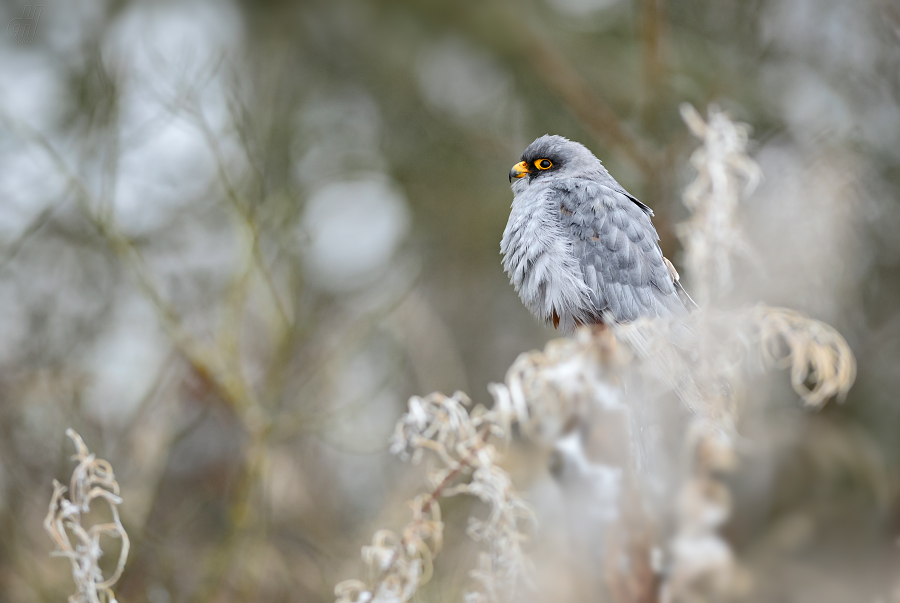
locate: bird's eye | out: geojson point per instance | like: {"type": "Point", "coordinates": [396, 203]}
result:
{"type": "Point", "coordinates": [543, 164]}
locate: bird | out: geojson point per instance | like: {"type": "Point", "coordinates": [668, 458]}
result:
{"type": "Point", "coordinates": [581, 250]}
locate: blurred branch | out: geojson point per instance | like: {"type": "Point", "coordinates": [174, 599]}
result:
{"type": "Point", "coordinates": [346, 338]}
{"type": "Point", "coordinates": [243, 209]}
{"type": "Point", "coordinates": [152, 482]}
{"type": "Point", "coordinates": [12, 250]}
{"type": "Point", "coordinates": [655, 69]}
{"type": "Point", "coordinates": [186, 100]}
{"type": "Point", "coordinates": [892, 13]}
{"type": "Point", "coordinates": [152, 393]}
{"type": "Point", "coordinates": [532, 48]}
{"type": "Point", "coordinates": [205, 359]}
{"type": "Point", "coordinates": [558, 74]}
{"type": "Point", "coordinates": [240, 516]}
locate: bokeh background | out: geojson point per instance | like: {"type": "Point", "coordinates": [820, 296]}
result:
{"type": "Point", "coordinates": [236, 236]}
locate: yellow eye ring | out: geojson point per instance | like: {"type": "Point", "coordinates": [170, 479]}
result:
{"type": "Point", "coordinates": [543, 164]}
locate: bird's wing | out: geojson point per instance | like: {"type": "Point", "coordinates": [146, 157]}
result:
{"type": "Point", "coordinates": [618, 250]}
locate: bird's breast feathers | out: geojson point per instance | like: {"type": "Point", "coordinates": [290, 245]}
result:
{"type": "Point", "coordinates": [538, 256]}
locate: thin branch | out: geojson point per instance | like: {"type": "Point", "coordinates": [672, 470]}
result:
{"type": "Point", "coordinates": [12, 250]}
{"type": "Point", "coordinates": [558, 74]}
{"type": "Point", "coordinates": [654, 67]}
{"type": "Point", "coordinates": [205, 360]}
{"type": "Point", "coordinates": [244, 212]}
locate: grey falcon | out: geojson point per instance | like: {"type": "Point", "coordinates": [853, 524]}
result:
{"type": "Point", "coordinates": [578, 247]}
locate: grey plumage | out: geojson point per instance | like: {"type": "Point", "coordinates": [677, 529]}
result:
{"type": "Point", "coordinates": [578, 246]}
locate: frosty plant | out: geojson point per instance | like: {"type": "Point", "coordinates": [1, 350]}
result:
{"type": "Point", "coordinates": [93, 479]}
{"type": "Point", "coordinates": [459, 439]}
{"type": "Point", "coordinates": [725, 175]}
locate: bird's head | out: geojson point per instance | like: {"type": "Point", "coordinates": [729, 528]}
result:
{"type": "Point", "coordinates": [550, 157]}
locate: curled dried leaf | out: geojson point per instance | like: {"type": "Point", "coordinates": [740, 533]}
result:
{"type": "Point", "coordinates": [821, 363]}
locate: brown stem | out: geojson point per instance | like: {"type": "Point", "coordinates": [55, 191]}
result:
{"type": "Point", "coordinates": [240, 519]}
{"type": "Point", "coordinates": [565, 81]}
{"type": "Point", "coordinates": [653, 43]}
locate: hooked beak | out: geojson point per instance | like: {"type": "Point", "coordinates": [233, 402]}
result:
{"type": "Point", "coordinates": [519, 170]}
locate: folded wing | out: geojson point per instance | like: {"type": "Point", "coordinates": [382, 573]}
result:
{"type": "Point", "coordinates": [618, 250]}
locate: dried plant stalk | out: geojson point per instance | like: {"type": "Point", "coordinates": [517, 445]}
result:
{"type": "Point", "coordinates": [92, 479]}
{"type": "Point", "coordinates": [725, 174]}
{"type": "Point", "coordinates": [459, 440]}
